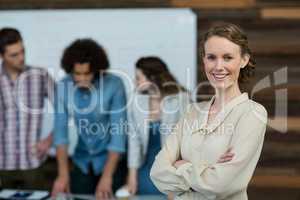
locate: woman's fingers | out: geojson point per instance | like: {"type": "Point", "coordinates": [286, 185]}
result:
{"type": "Point", "coordinates": [226, 157]}
{"type": "Point", "coordinates": [224, 160]}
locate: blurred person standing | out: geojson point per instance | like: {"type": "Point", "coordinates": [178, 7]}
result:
{"type": "Point", "coordinates": [157, 105]}
{"type": "Point", "coordinates": [95, 101]}
{"type": "Point", "coordinates": [22, 92]}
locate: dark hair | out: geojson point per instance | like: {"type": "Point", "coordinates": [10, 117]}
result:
{"type": "Point", "coordinates": [158, 73]}
{"type": "Point", "coordinates": [85, 51]}
{"type": "Point", "coordinates": [8, 36]}
{"type": "Point", "coordinates": [236, 35]}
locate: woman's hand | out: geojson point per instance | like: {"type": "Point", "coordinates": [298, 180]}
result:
{"type": "Point", "coordinates": [226, 157]}
{"type": "Point", "coordinates": [178, 163]}
{"type": "Point", "coordinates": [132, 181]}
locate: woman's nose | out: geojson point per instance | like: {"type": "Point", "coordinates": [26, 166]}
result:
{"type": "Point", "coordinates": [219, 64]}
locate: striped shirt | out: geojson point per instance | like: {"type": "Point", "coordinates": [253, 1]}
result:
{"type": "Point", "coordinates": [21, 115]}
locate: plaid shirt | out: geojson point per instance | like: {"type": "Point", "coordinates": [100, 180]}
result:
{"type": "Point", "coordinates": [21, 112]}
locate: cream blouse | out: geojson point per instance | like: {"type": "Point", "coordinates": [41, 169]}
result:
{"type": "Point", "coordinates": [240, 125]}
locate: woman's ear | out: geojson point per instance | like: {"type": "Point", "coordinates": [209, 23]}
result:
{"type": "Point", "coordinates": [245, 60]}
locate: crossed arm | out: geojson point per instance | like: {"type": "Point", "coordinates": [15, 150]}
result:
{"type": "Point", "coordinates": [178, 176]}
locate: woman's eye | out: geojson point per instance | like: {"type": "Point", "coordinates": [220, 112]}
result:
{"type": "Point", "coordinates": [227, 58]}
{"type": "Point", "coordinates": [210, 57]}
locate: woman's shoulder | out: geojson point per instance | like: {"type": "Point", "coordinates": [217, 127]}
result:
{"type": "Point", "coordinates": [253, 109]}
{"type": "Point", "coordinates": [251, 105]}
{"type": "Point", "coordinates": [137, 101]}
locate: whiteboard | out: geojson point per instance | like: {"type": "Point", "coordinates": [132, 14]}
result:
{"type": "Point", "coordinates": [126, 35]}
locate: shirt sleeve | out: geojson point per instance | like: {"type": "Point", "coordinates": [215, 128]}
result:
{"type": "Point", "coordinates": [118, 120]}
{"type": "Point", "coordinates": [134, 143]}
{"type": "Point", "coordinates": [60, 133]}
{"type": "Point", "coordinates": [1, 108]}
{"type": "Point", "coordinates": [163, 173]}
{"type": "Point", "coordinates": [225, 179]}
{"type": "Point", "coordinates": [49, 87]}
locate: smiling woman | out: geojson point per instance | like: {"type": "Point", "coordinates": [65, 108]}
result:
{"type": "Point", "coordinates": [203, 158]}
{"type": "Point", "coordinates": [222, 65]}
{"type": "Point", "coordinates": [233, 43]}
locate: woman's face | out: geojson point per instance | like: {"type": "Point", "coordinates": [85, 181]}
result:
{"type": "Point", "coordinates": [142, 83]}
{"type": "Point", "coordinates": [222, 62]}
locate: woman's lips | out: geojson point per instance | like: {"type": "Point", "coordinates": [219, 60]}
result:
{"type": "Point", "coordinates": [219, 76]}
